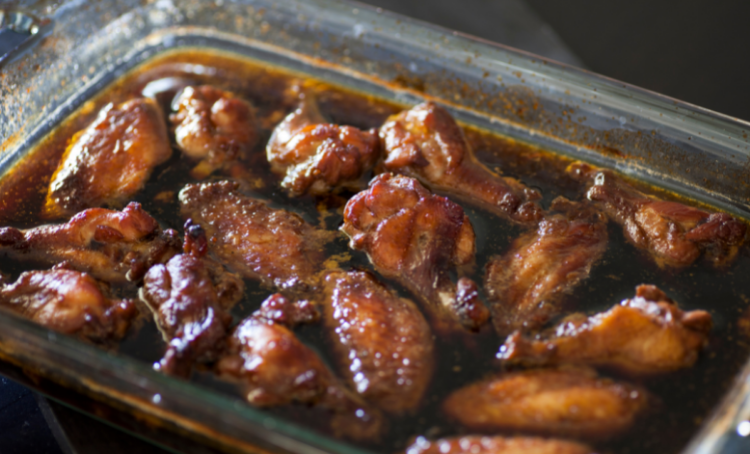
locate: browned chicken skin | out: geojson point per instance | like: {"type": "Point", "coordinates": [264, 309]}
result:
{"type": "Point", "coordinates": [474, 444]}
{"type": "Point", "coordinates": [274, 246]}
{"type": "Point", "coordinates": [114, 246]}
{"type": "Point", "coordinates": [315, 156]}
{"type": "Point", "coordinates": [213, 127]}
{"type": "Point", "coordinates": [572, 402]}
{"type": "Point", "coordinates": [426, 143]}
{"type": "Point", "coordinates": [70, 302]}
{"type": "Point", "coordinates": [416, 237]}
{"type": "Point", "coordinates": [277, 369]}
{"type": "Point", "coordinates": [644, 335]}
{"type": "Point", "coordinates": [111, 160]}
{"type": "Point", "coordinates": [525, 284]}
{"type": "Point", "coordinates": [673, 233]}
{"type": "Point", "coordinates": [382, 342]}
{"type": "Point", "coordinates": [189, 296]}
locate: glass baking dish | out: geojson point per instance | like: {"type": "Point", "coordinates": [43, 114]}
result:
{"type": "Point", "coordinates": [670, 144]}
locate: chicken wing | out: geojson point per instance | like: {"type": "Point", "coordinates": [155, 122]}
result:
{"type": "Point", "coordinates": [213, 127]}
{"type": "Point", "coordinates": [426, 143]}
{"type": "Point", "coordinates": [70, 302]}
{"type": "Point", "coordinates": [382, 343]}
{"type": "Point", "coordinates": [571, 403]}
{"type": "Point", "coordinates": [525, 284]}
{"type": "Point", "coordinates": [415, 237]}
{"type": "Point", "coordinates": [274, 246]}
{"type": "Point", "coordinates": [277, 369]}
{"type": "Point", "coordinates": [644, 335]}
{"type": "Point", "coordinates": [114, 246]}
{"type": "Point", "coordinates": [315, 156]}
{"type": "Point", "coordinates": [673, 233]}
{"type": "Point", "coordinates": [474, 444]}
{"type": "Point", "coordinates": [111, 160]}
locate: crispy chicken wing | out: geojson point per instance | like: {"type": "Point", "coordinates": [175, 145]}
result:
{"type": "Point", "coordinates": [213, 127]}
{"type": "Point", "coordinates": [525, 284]}
{"type": "Point", "coordinates": [474, 444]}
{"type": "Point", "coordinates": [274, 246]}
{"type": "Point", "coordinates": [673, 233]}
{"type": "Point", "coordinates": [114, 246]}
{"type": "Point", "coordinates": [382, 342]}
{"type": "Point", "coordinates": [415, 237]}
{"type": "Point", "coordinates": [70, 302]}
{"type": "Point", "coordinates": [277, 369]}
{"type": "Point", "coordinates": [110, 161]}
{"type": "Point", "coordinates": [560, 402]}
{"type": "Point", "coordinates": [646, 334]}
{"type": "Point", "coordinates": [426, 143]}
{"type": "Point", "coordinates": [315, 156]}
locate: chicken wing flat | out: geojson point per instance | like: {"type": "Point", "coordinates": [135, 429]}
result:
{"type": "Point", "coordinates": [382, 342]}
{"type": "Point", "coordinates": [643, 335]}
{"type": "Point", "coordinates": [416, 237]}
{"type": "Point", "coordinates": [570, 403]}
{"type": "Point", "coordinates": [213, 127]}
{"type": "Point", "coordinates": [525, 284]}
{"type": "Point", "coordinates": [673, 233]}
{"type": "Point", "coordinates": [426, 143]}
{"type": "Point", "coordinates": [274, 246]}
{"type": "Point", "coordinates": [111, 160]}
{"type": "Point", "coordinates": [315, 156]}
{"type": "Point", "coordinates": [277, 369]}
{"type": "Point", "coordinates": [189, 296]}
{"type": "Point", "coordinates": [474, 444]}
{"type": "Point", "coordinates": [114, 246]}
{"type": "Point", "coordinates": [70, 302]}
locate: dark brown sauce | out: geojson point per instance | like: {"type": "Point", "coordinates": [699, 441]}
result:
{"type": "Point", "coordinates": [684, 398]}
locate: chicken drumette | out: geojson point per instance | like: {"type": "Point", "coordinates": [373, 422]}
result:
{"type": "Point", "coordinates": [114, 246]}
{"type": "Point", "coordinates": [315, 156]}
{"type": "Point", "coordinates": [416, 237]}
{"type": "Point", "coordinates": [525, 284]}
{"type": "Point", "coordinates": [643, 335]}
{"type": "Point", "coordinates": [108, 162]}
{"type": "Point", "coordinates": [673, 233]}
{"type": "Point", "coordinates": [426, 143]}
{"type": "Point", "coordinates": [496, 445]}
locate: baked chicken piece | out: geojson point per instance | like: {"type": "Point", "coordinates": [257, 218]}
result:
{"type": "Point", "coordinates": [111, 160]}
{"type": "Point", "coordinates": [426, 143]}
{"type": "Point", "coordinates": [213, 126]}
{"type": "Point", "coordinates": [524, 285]}
{"type": "Point", "coordinates": [277, 369]}
{"type": "Point", "coordinates": [475, 444]}
{"type": "Point", "coordinates": [643, 335]}
{"type": "Point", "coordinates": [113, 246]}
{"type": "Point", "coordinates": [190, 296]}
{"type": "Point", "coordinates": [274, 246]}
{"type": "Point", "coordinates": [416, 237]}
{"type": "Point", "coordinates": [382, 342]}
{"type": "Point", "coordinates": [70, 302]}
{"type": "Point", "coordinates": [563, 402]}
{"type": "Point", "coordinates": [315, 156]}
{"type": "Point", "coordinates": [673, 233]}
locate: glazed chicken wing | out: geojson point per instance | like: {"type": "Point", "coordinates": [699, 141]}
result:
{"type": "Point", "coordinates": [315, 156]}
{"type": "Point", "coordinates": [525, 284]}
{"type": "Point", "coordinates": [70, 302]}
{"type": "Point", "coordinates": [643, 335]}
{"type": "Point", "coordinates": [426, 143]}
{"type": "Point", "coordinates": [571, 403]}
{"type": "Point", "coordinates": [111, 160]}
{"type": "Point", "coordinates": [382, 342]}
{"type": "Point", "coordinates": [274, 246]}
{"type": "Point", "coordinates": [114, 246]}
{"type": "Point", "coordinates": [474, 444]}
{"type": "Point", "coordinates": [213, 127]}
{"type": "Point", "coordinates": [416, 237]}
{"type": "Point", "coordinates": [673, 233]}
{"type": "Point", "coordinates": [277, 369]}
